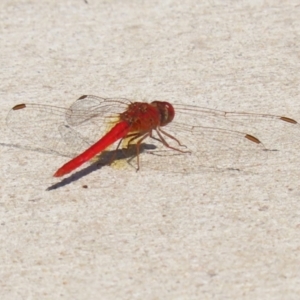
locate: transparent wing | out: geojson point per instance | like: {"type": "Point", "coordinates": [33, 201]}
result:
{"type": "Point", "coordinates": [95, 110]}
{"type": "Point", "coordinates": [276, 132]}
{"type": "Point", "coordinates": [213, 138]}
{"type": "Point", "coordinates": [64, 131]}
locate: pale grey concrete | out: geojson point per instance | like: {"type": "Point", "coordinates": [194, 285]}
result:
{"type": "Point", "coordinates": [152, 234]}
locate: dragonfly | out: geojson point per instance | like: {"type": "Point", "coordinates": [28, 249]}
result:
{"type": "Point", "coordinates": [185, 137]}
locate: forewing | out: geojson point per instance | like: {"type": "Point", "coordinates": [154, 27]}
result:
{"type": "Point", "coordinates": [276, 132]}
{"type": "Point", "coordinates": [63, 131]}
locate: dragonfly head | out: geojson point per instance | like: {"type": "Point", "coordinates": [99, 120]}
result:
{"type": "Point", "coordinates": [166, 111]}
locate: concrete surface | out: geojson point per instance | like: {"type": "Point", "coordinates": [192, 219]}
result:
{"type": "Point", "coordinates": [153, 234]}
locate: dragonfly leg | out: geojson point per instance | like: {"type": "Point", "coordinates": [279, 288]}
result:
{"type": "Point", "coordinates": [171, 137]}
{"type": "Point", "coordinates": [164, 142]}
{"type": "Point", "coordinates": [135, 136]}
{"type": "Point", "coordinates": [138, 144]}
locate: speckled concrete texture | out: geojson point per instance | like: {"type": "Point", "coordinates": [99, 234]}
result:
{"type": "Point", "coordinates": [114, 233]}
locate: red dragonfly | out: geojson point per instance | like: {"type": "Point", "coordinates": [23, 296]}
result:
{"type": "Point", "coordinates": [204, 137]}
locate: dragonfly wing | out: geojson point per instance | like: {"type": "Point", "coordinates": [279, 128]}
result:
{"type": "Point", "coordinates": [93, 116]}
{"type": "Point", "coordinates": [63, 131]}
{"type": "Point", "coordinates": [276, 132]}
{"type": "Point", "coordinates": [94, 109]}
{"type": "Point", "coordinates": [205, 147]}
{"type": "Point", "coordinates": [43, 128]}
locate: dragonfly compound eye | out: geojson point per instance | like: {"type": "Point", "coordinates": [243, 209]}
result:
{"type": "Point", "coordinates": [166, 111]}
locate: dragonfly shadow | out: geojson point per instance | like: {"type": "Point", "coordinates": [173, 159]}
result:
{"type": "Point", "coordinates": [106, 158]}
